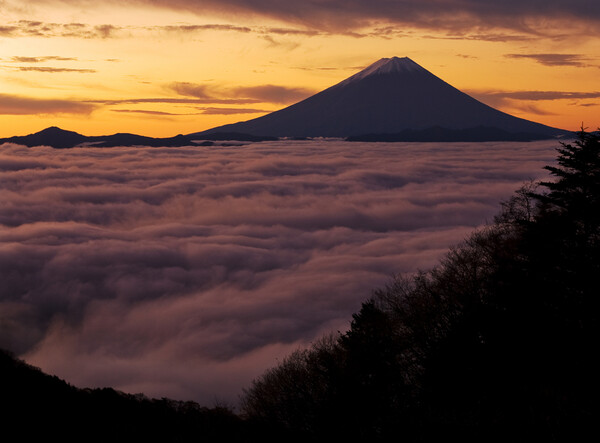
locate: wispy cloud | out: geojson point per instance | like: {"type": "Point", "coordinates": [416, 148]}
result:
{"type": "Point", "coordinates": [344, 16]}
{"type": "Point", "coordinates": [201, 111]}
{"type": "Point", "coordinates": [261, 93]}
{"type": "Point", "coordinates": [471, 19]}
{"type": "Point", "coordinates": [525, 100]}
{"type": "Point", "coordinates": [231, 111]}
{"type": "Point", "coordinates": [29, 28]}
{"type": "Point", "coordinates": [490, 36]}
{"type": "Point", "coordinates": [146, 112]}
{"type": "Point", "coordinates": [19, 105]}
{"type": "Point", "coordinates": [192, 90]}
{"type": "Point", "coordinates": [52, 70]}
{"type": "Point", "coordinates": [538, 95]}
{"type": "Point", "coordinates": [186, 28]}
{"type": "Point", "coordinates": [273, 93]}
{"type": "Point", "coordinates": [172, 100]}
{"type": "Point", "coordinates": [506, 98]}
{"type": "Point", "coordinates": [551, 59]}
{"type": "Point", "coordinates": [20, 59]}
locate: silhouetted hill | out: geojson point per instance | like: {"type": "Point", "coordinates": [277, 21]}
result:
{"type": "Point", "coordinates": [39, 407]}
{"type": "Point", "coordinates": [391, 96]}
{"type": "Point", "coordinates": [52, 136]}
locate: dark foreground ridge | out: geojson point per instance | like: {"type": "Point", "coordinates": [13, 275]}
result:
{"type": "Point", "coordinates": [40, 407]}
{"type": "Point", "coordinates": [61, 139]}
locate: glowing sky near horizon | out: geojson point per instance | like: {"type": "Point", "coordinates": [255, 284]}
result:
{"type": "Point", "coordinates": [163, 67]}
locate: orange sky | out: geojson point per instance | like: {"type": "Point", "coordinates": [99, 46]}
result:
{"type": "Point", "coordinates": [182, 66]}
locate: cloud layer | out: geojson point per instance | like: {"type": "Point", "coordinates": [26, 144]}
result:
{"type": "Point", "coordinates": [186, 272]}
{"type": "Point", "coordinates": [432, 14]}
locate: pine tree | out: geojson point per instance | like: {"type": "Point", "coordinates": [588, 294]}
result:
{"type": "Point", "coordinates": [576, 192]}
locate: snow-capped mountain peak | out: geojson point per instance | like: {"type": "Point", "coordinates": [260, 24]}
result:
{"type": "Point", "coordinates": [391, 65]}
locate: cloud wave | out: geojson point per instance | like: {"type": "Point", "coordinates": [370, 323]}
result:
{"type": "Point", "coordinates": [186, 272]}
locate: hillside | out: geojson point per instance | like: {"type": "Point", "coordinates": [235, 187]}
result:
{"type": "Point", "coordinates": [39, 406]}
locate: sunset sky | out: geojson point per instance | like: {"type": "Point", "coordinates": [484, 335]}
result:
{"type": "Point", "coordinates": [164, 67]}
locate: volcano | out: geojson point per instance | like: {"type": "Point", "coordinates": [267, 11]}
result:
{"type": "Point", "coordinates": [393, 99]}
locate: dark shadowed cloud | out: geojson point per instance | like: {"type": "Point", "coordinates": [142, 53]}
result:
{"type": "Point", "coordinates": [273, 93]}
{"type": "Point", "coordinates": [262, 93]}
{"type": "Point", "coordinates": [555, 59]}
{"type": "Point", "coordinates": [173, 100]}
{"type": "Point", "coordinates": [185, 272]}
{"type": "Point", "coordinates": [502, 98]}
{"type": "Point", "coordinates": [192, 90]}
{"type": "Point", "coordinates": [29, 28]}
{"type": "Point", "coordinates": [200, 28]}
{"type": "Point", "coordinates": [230, 111]}
{"type": "Point", "coordinates": [18, 59]}
{"type": "Point", "coordinates": [18, 105]}
{"type": "Point", "coordinates": [146, 112]}
{"type": "Point", "coordinates": [483, 36]}
{"type": "Point", "coordinates": [201, 110]}
{"type": "Point", "coordinates": [432, 14]}
{"type": "Point", "coordinates": [53, 70]}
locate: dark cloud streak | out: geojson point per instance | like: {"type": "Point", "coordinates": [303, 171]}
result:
{"type": "Point", "coordinates": [18, 59]}
{"type": "Point", "coordinates": [577, 60]}
{"type": "Point", "coordinates": [508, 98]}
{"type": "Point", "coordinates": [52, 70]}
{"type": "Point", "coordinates": [28, 28]}
{"type": "Point", "coordinates": [261, 93]}
{"type": "Point", "coordinates": [231, 111]}
{"type": "Point", "coordinates": [18, 105]}
{"type": "Point", "coordinates": [432, 14]}
{"type": "Point", "coordinates": [529, 17]}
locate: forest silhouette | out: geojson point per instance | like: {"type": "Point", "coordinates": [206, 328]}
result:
{"type": "Point", "coordinates": [495, 343]}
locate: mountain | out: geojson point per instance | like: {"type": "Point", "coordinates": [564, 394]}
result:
{"type": "Point", "coordinates": [389, 97]}
{"type": "Point", "coordinates": [53, 136]}
{"type": "Point", "coordinates": [59, 138]}
{"type": "Point", "coordinates": [394, 99]}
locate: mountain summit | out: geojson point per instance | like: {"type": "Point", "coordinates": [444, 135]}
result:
{"type": "Point", "coordinates": [391, 96]}
{"type": "Point", "coordinates": [386, 66]}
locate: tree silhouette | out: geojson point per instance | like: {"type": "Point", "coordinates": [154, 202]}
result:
{"type": "Point", "coordinates": [497, 340]}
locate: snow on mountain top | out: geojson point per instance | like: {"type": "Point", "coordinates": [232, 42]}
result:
{"type": "Point", "coordinates": [387, 66]}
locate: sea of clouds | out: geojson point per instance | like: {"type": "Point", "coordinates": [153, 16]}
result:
{"type": "Point", "coordinates": [186, 272]}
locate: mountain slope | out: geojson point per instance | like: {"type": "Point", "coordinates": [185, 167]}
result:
{"type": "Point", "coordinates": [388, 97]}
{"type": "Point", "coordinates": [38, 406]}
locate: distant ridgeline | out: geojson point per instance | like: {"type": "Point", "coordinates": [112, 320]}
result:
{"type": "Point", "coordinates": [59, 138]}
{"type": "Point", "coordinates": [40, 407]}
